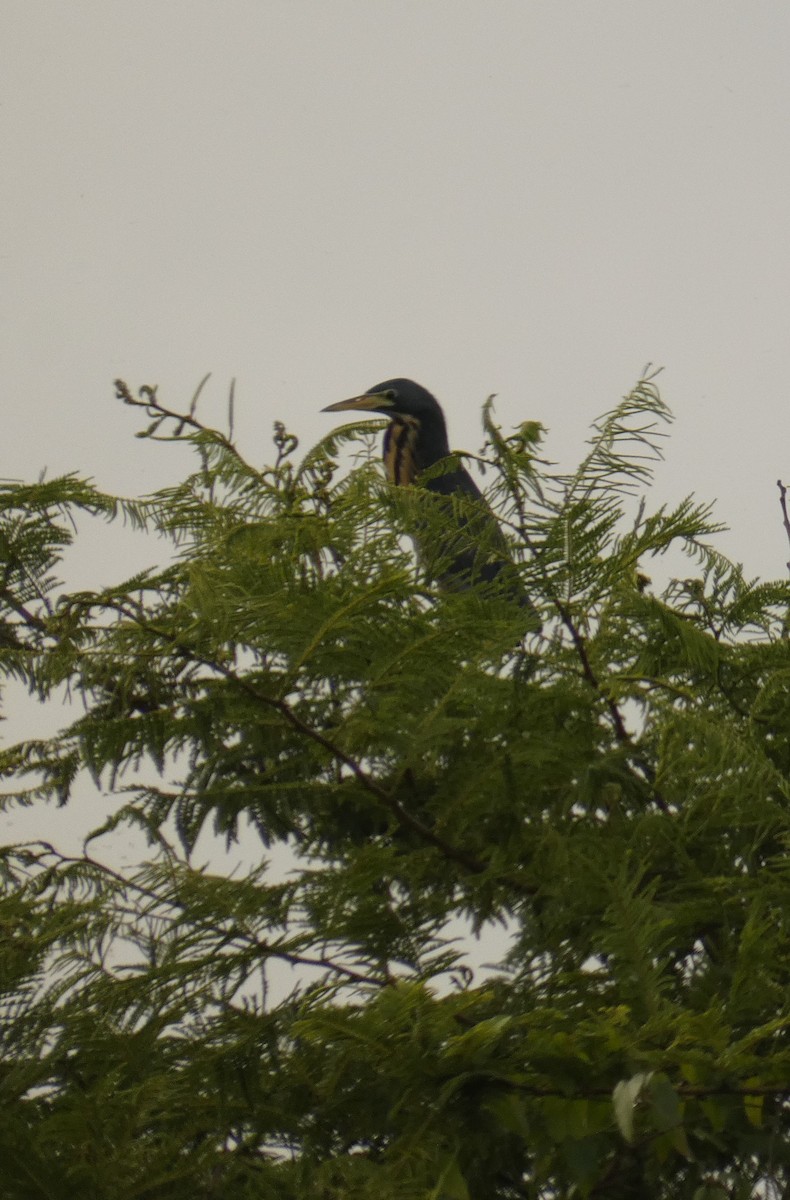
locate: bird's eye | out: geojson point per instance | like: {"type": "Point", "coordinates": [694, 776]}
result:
{"type": "Point", "coordinates": [391, 394]}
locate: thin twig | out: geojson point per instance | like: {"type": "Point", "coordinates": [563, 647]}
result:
{"type": "Point", "coordinates": [621, 733]}
{"type": "Point", "coordinates": [149, 401]}
{"type": "Point", "coordinates": [228, 934]}
{"type": "Point", "coordinates": [27, 616]}
{"type": "Point", "coordinates": [785, 517]}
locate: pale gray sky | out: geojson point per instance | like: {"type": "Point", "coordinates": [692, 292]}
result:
{"type": "Point", "coordinates": [528, 198]}
{"type": "Point", "coordinates": [505, 196]}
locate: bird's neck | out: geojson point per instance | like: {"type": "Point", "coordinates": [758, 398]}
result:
{"type": "Point", "coordinates": [411, 445]}
{"type": "Point", "coordinates": [433, 438]}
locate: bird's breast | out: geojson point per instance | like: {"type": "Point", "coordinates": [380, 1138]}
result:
{"type": "Point", "coordinates": [400, 457]}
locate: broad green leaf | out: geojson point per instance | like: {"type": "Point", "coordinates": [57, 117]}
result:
{"type": "Point", "coordinates": [665, 1103]}
{"type": "Point", "coordinates": [451, 1185]}
{"type": "Point", "coordinates": [624, 1098]}
{"type": "Point", "coordinates": [753, 1103]}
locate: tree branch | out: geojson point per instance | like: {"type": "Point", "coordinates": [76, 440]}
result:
{"type": "Point", "coordinates": [621, 733]}
{"type": "Point", "coordinates": [453, 853]}
{"type": "Point", "coordinates": [227, 934]}
{"type": "Point", "coordinates": [149, 401]}
{"type": "Point", "coordinates": [785, 517]}
{"type": "Point", "coordinates": [27, 616]}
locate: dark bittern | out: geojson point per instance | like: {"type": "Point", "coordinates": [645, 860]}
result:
{"type": "Point", "coordinates": [416, 440]}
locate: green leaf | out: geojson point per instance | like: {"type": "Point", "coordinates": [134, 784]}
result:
{"type": "Point", "coordinates": [624, 1099]}
{"type": "Point", "coordinates": [666, 1105]}
{"type": "Point", "coordinates": [451, 1185]}
{"type": "Point", "coordinates": [754, 1103]}
{"type": "Point", "coordinates": [510, 1110]}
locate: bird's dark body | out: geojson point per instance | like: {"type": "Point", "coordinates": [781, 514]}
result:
{"type": "Point", "coordinates": [468, 547]}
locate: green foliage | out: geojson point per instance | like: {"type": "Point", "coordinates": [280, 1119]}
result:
{"type": "Point", "coordinates": [613, 791]}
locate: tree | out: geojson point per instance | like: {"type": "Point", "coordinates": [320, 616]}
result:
{"type": "Point", "coordinates": [614, 791]}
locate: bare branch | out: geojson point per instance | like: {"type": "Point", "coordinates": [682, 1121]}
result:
{"type": "Point", "coordinates": [785, 517]}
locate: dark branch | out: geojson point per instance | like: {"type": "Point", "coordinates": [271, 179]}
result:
{"type": "Point", "coordinates": [27, 616]}
{"type": "Point", "coordinates": [148, 400]}
{"type": "Point", "coordinates": [453, 853]}
{"type": "Point", "coordinates": [227, 934]}
{"type": "Point", "coordinates": [621, 733]}
{"type": "Point", "coordinates": [785, 517]}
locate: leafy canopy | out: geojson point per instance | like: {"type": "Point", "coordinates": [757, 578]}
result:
{"type": "Point", "coordinates": [613, 790]}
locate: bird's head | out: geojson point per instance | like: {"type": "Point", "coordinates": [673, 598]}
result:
{"type": "Point", "coordinates": [394, 398]}
{"type": "Point", "coordinates": [416, 437]}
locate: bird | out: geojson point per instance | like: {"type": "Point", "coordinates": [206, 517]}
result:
{"type": "Point", "coordinates": [414, 442]}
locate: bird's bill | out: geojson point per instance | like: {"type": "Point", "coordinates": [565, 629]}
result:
{"type": "Point", "coordinates": [370, 402]}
